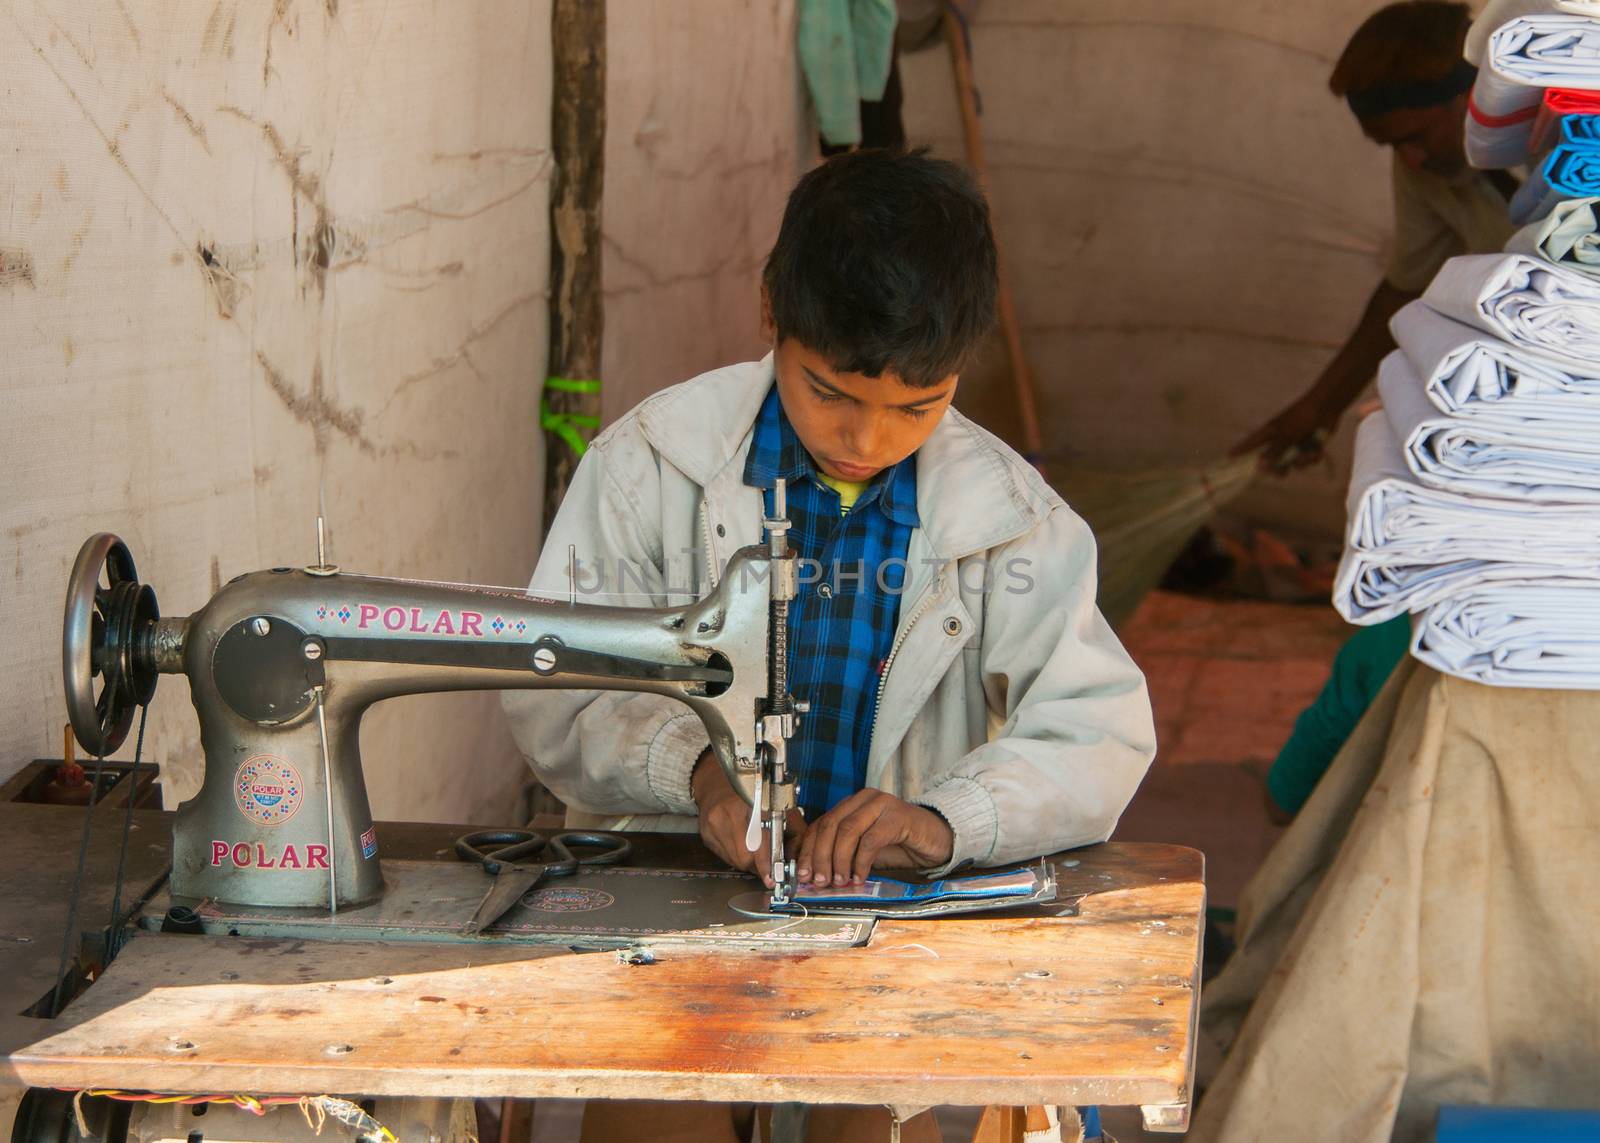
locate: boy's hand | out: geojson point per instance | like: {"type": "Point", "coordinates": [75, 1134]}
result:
{"type": "Point", "coordinates": [871, 828]}
{"type": "Point", "coordinates": [725, 816]}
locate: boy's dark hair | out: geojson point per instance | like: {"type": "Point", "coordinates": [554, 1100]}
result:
{"type": "Point", "coordinates": [1416, 41]}
{"type": "Point", "coordinates": [885, 261]}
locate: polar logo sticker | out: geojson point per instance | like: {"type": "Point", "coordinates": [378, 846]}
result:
{"type": "Point", "coordinates": [564, 900]}
{"type": "Point", "coordinates": [267, 789]}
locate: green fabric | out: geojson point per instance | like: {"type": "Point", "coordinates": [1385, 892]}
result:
{"type": "Point", "coordinates": [1360, 669]}
{"type": "Point", "coordinates": [566, 425]}
{"type": "Point", "coordinates": [845, 48]}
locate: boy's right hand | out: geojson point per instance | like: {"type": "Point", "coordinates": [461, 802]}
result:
{"type": "Point", "coordinates": [725, 816]}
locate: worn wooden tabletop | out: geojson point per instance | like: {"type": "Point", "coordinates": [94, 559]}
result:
{"type": "Point", "coordinates": [1095, 1007]}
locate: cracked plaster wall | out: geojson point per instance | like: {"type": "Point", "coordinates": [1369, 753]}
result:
{"type": "Point", "coordinates": [705, 135]}
{"type": "Point", "coordinates": [260, 256]}
{"type": "Point", "coordinates": [1192, 221]}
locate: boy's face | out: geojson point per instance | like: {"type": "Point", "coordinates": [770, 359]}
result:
{"type": "Point", "coordinates": [855, 426]}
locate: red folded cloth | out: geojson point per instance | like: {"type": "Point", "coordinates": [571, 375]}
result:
{"type": "Point", "coordinates": [1558, 101]}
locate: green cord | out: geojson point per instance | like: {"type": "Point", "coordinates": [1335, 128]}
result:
{"type": "Point", "coordinates": [566, 425]}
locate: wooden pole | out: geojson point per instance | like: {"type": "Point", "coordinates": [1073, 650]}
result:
{"type": "Point", "coordinates": [571, 406]}
{"type": "Point", "coordinates": [1021, 375]}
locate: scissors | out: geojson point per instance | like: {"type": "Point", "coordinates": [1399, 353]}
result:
{"type": "Point", "coordinates": [502, 853]}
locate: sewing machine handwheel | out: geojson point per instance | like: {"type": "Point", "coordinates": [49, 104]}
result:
{"type": "Point", "coordinates": [104, 636]}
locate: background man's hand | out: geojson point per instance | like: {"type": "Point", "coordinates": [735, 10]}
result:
{"type": "Point", "coordinates": [725, 819]}
{"type": "Point", "coordinates": [1294, 438]}
{"type": "Point", "coordinates": [871, 829]}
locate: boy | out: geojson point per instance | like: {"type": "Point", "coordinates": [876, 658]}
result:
{"type": "Point", "coordinates": [969, 706]}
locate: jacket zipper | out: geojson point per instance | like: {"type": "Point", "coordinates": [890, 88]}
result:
{"type": "Point", "coordinates": [894, 649]}
{"type": "Point", "coordinates": [705, 538]}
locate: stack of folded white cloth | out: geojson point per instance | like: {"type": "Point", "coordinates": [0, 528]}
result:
{"type": "Point", "coordinates": [1409, 545]}
{"type": "Point", "coordinates": [1475, 496]}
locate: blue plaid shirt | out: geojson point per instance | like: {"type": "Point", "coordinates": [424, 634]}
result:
{"type": "Point", "coordinates": [842, 622]}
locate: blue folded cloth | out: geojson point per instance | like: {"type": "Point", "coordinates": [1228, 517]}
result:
{"type": "Point", "coordinates": [1570, 170]}
{"type": "Point", "coordinates": [883, 890]}
{"type": "Point", "coordinates": [1582, 129]}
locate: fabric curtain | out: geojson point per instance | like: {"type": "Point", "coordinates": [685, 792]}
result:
{"type": "Point", "coordinates": [1424, 932]}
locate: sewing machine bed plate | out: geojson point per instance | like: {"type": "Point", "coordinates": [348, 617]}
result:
{"type": "Point", "coordinates": [607, 907]}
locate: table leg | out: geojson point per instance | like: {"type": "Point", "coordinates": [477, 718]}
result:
{"type": "Point", "coordinates": [1167, 1118]}
{"type": "Point", "coordinates": [1000, 1125]}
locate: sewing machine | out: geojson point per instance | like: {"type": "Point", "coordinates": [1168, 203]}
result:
{"type": "Point", "coordinates": [283, 663]}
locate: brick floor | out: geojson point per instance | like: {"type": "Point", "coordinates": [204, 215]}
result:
{"type": "Point", "coordinates": [1227, 680]}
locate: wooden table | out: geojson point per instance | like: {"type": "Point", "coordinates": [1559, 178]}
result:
{"type": "Point", "coordinates": [1092, 1008]}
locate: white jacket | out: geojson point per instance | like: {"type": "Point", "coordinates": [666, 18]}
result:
{"type": "Point", "coordinates": [1014, 713]}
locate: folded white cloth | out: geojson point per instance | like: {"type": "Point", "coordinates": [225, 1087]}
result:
{"type": "Point", "coordinates": [1527, 635]}
{"type": "Point", "coordinates": [1408, 545]}
{"type": "Point", "coordinates": [1467, 373]}
{"type": "Point", "coordinates": [1532, 303]}
{"type": "Point", "coordinates": [1530, 458]}
{"type": "Point", "coordinates": [1519, 54]}
{"type": "Point", "coordinates": [1497, 13]}
{"type": "Point", "coordinates": [1548, 49]}
{"type": "Point", "coordinates": [1568, 236]}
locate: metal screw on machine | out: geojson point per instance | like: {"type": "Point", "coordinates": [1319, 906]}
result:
{"type": "Point", "coordinates": [260, 626]}
{"type": "Point", "coordinates": [544, 660]}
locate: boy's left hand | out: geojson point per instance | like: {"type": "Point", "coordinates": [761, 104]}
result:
{"type": "Point", "coordinates": [871, 828]}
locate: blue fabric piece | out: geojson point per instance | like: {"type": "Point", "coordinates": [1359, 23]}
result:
{"type": "Point", "coordinates": [1570, 170]}
{"type": "Point", "coordinates": [1581, 129]}
{"type": "Point", "coordinates": [1091, 1124]}
{"type": "Point", "coordinates": [1502, 1124]}
{"type": "Point", "coordinates": [1359, 671]}
{"type": "Point", "coordinates": [1573, 170]}
{"type": "Point", "coordinates": [842, 622]}
{"type": "Point", "coordinates": [880, 890]}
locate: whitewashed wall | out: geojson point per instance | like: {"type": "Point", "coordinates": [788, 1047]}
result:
{"type": "Point", "coordinates": [705, 138]}
{"type": "Point", "coordinates": [260, 254]}
{"type": "Point", "coordinates": [1192, 221]}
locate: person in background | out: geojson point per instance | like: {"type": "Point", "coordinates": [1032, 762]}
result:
{"type": "Point", "coordinates": [1405, 81]}
{"type": "Point", "coordinates": [1360, 669]}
